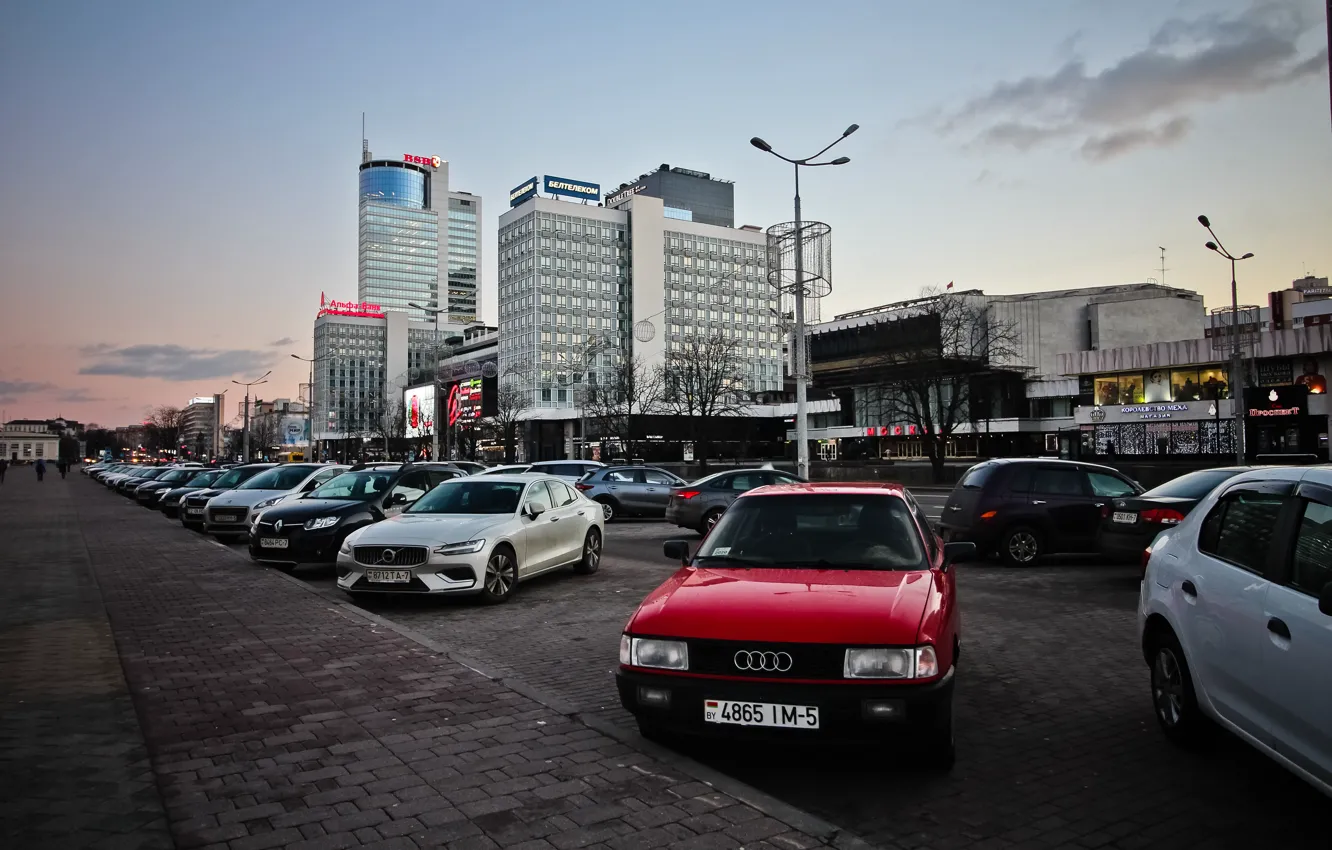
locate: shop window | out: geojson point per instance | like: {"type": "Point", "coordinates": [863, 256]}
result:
{"type": "Point", "coordinates": [1214, 383]}
{"type": "Point", "coordinates": [1130, 389]}
{"type": "Point", "coordinates": [1107, 391]}
{"type": "Point", "coordinates": [1185, 385]}
{"type": "Point", "coordinates": [1157, 387]}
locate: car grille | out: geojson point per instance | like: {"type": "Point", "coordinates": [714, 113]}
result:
{"type": "Point", "coordinates": [390, 556]}
{"type": "Point", "coordinates": [807, 660]}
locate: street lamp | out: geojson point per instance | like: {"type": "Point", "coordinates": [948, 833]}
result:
{"type": "Point", "coordinates": [309, 410]}
{"type": "Point", "coordinates": [262, 379]}
{"type": "Point", "coordinates": [1236, 381]}
{"type": "Point", "coordinates": [801, 379]}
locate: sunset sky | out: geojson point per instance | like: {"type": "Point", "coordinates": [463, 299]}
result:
{"type": "Point", "coordinates": [180, 178]}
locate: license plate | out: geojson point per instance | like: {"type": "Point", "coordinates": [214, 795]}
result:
{"type": "Point", "coordinates": [1125, 516]}
{"type": "Point", "coordinates": [225, 517]}
{"type": "Point", "coordinates": [388, 576]}
{"type": "Point", "coordinates": [761, 714]}
{"type": "Point", "coordinates": [194, 511]}
{"type": "Point", "coordinates": [273, 542]}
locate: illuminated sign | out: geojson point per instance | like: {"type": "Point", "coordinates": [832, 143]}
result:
{"type": "Point", "coordinates": [624, 195]}
{"type": "Point", "coordinates": [1154, 411]}
{"type": "Point", "coordinates": [1263, 402]}
{"type": "Point", "coordinates": [432, 161]}
{"type": "Point", "coordinates": [419, 405]}
{"type": "Point", "coordinates": [573, 188]}
{"type": "Point", "coordinates": [465, 402]}
{"type": "Point", "coordinates": [355, 309]}
{"type": "Point", "coordinates": [522, 193]}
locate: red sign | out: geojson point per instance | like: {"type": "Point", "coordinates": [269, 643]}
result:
{"type": "Point", "coordinates": [432, 161]}
{"type": "Point", "coordinates": [355, 309]}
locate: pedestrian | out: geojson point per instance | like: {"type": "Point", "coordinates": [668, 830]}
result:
{"type": "Point", "coordinates": [4, 464]}
{"type": "Point", "coordinates": [41, 468]}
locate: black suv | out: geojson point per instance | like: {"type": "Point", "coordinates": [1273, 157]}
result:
{"type": "Point", "coordinates": [1026, 508]}
{"type": "Point", "coordinates": [309, 529]}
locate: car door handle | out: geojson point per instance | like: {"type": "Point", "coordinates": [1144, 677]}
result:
{"type": "Point", "coordinates": [554, 519]}
{"type": "Point", "coordinates": [1279, 628]}
{"type": "Point", "coordinates": [1189, 589]}
{"type": "Point", "coordinates": [1038, 501]}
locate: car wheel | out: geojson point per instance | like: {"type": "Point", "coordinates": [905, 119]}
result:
{"type": "Point", "coordinates": [1021, 547]}
{"type": "Point", "coordinates": [501, 576]}
{"type": "Point", "coordinates": [938, 741]}
{"type": "Point", "coordinates": [591, 553]}
{"type": "Point", "coordinates": [1175, 704]}
{"type": "Point", "coordinates": [607, 509]}
{"type": "Point", "coordinates": [710, 520]}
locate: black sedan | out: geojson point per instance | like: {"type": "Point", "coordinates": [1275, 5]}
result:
{"type": "Point", "coordinates": [148, 493]}
{"type": "Point", "coordinates": [169, 503]}
{"type": "Point", "coordinates": [310, 529]}
{"type": "Point", "coordinates": [192, 506]}
{"type": "Point", "coordinates": [1130, 524]}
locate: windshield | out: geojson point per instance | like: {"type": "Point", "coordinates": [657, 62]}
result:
{"type": "Point", "coordinates": [818, 531]}
{"type": "Point", "coordinates": [151, 474]}
{"type": "Point", "coordinates": [356, 486]}
{"type": "Point", "coordinates": [203, 479]}
{"type": "Point", "coordinates": [177, 475]}
{"type": "Point", "coordinates": [278, 478]}
{"type": "Point", "coordinates": [1195, 485]}
{"type": "Point", "coordinates": [977, 476]}
{"type": "Point", "coordinates": [470, 496]}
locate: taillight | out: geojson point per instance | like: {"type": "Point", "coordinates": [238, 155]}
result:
{"type": "Point", "coordinates": [1163, 516]}
{"type": "Point", "coordinates": [1146, 556]}
{"type": "Point", "coordinates": [1105, 511]}
{"type": "Point", "coordinates": [687, 494]}
{"type": "Point", "coordinates": [989, 515]}
{"type": "Point", "coordinates": [581, 486]}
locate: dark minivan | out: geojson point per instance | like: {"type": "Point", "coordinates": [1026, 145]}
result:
{"type": "Point", "coordinates": [1024, 508]}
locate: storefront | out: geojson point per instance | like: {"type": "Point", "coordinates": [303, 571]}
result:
{"type": "Point", "coordinates": [1186, 429]}
{"type": "Point", "coordinates": [1278, 422]}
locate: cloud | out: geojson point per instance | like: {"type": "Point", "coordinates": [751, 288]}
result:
{"type": "Point", "coordinates": [77, 395]}
{"type": "Point", "coordinates": [12, 389]}
{"type": "Point", "coordinates": [279, 343]}
{"type": "Point", "coordinates": [1185, 63]}
{"type": "Point", "coordinates": [172, 362]}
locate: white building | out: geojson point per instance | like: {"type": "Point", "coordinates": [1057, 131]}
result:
{"type": "Point", "coordinates": [27, 440]}
{"type": "Point", "coordinates": [633, 276]}
{"type": "Point", "coordinates": [201, 427]}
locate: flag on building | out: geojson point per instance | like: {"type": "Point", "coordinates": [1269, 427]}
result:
{"type": "Point", "coordinates": [949, 286]}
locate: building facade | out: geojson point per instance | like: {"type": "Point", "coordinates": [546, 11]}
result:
{"type": "Point", "coordinates": [201, 427]}
{"type": "Point", "coordinates": [418, 241]}
{"type": "Point", "coordinates": [29, 440]}
{"type": "Point", "coordinates": [686, 195]}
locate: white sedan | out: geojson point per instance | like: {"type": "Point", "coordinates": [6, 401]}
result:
{"type": "Point", "coordinates": [476, 535]}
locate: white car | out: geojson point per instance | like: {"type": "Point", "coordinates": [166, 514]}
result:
{"type": "Point", "coordinates": [228, 516]}
{"type": "Point", "coordinates": [476, 535]}
{"type": "Point", "coordinates": [1235, 616]}
{"type": "Point", "coordinates": [509, 469]}
{"type": "Point", "coordinates": [569, 470]}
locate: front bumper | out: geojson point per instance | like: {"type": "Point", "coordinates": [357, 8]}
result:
{"type": "Point", "coordinates": [240, 526]}
{"type": "Point", "coordinates": [842, 706]}
{"type": "Point", "coordinates": [459, 575]}
{"type": "Point", "coordinates": [192, 515]}
{"type": "Point", "coordinates": [303, 547]}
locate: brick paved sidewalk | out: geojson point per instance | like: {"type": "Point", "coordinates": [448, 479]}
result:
{"type": "Point", "coordinates": [275, 719]}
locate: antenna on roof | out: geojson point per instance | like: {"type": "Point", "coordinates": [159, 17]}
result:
{"type": "Point", "coordinates": [365, 143]}
{"type": "Point", "coordinates": [1163, 265]}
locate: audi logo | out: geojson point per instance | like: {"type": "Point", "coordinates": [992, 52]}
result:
{"type": "Point", "coordinates": [762, 662]}
{"type": "Point", "coordinates": [387, 556]}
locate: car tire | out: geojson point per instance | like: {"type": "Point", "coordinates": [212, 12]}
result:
{"type": "Point", "coordinates": [1173, 700]}
{"type": "Point", "coordinates": [591, 559]}
{"type": "Point", "coordinates": [608, 508]}
{"type": "Point", "coordinates": [937, 740]}
{"type": "Point", "coordinates": [1021, 546]}
{"type": "Point", "coordinates": [501, 576]}
{"type": "Point", "coordinates": [710, 519]}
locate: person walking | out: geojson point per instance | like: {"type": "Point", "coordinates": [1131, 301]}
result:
{"type": "Point", "coordinates": [41, 468]}
{"type": "Point", "coordinates": [61, 466]}
{"type": "Point", "coordinates": [4, 464]}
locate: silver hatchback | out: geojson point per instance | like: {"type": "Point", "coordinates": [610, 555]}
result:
{"type": "Point", "coordinates": [630, 490]}
{"type": "Point", "coordinates": [699, 505]}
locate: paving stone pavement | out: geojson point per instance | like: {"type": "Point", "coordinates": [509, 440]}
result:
{"type": "Point", "coordinates": [276, 719]}
{"type": "Point", "coordinates": [74, 770]}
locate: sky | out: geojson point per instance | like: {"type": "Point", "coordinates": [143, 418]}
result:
{"type": "Point", "coordinates": [180, 178]}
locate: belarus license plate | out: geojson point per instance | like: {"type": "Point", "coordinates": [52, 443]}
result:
{"type": "Point", "coordinates": [389, 576]}
{"type": "Point", "coordinates": [1125, 516]}
{"type": "Point", "coordinates": [194, 511]}
{"type": "Point", "coordinates": [273, 542]}
{"type": "Point", "coordinates": [225, 517]}
{"type": "Point", "coordinates": [761, 714]}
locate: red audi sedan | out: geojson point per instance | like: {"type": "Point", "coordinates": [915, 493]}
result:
{"type": "Point", "coordinates": [811, 612]}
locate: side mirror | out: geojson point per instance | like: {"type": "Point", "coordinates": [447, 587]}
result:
{"type": "Point", "coordinates": [957, 553]}
{"type": "Point", "coordinates": [532, 511]}
{"type": "Point", "coordinates": [676, 550]}
{"type": "Point", "coordinates": [1325, 599]}
{"type": "Point", "coordinates": [396, 499]}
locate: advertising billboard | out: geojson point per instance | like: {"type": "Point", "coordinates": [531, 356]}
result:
{"type": "Point", "coordinates": [573, 188]}
{"type": "Point", "coordinates": [292, 431]}
{"type": "Point", "coordinates": [419, 405]}
{"type": "Point", "coordinates": [520, 193]}
{"type": "Point", "coordinates": [465, 402]}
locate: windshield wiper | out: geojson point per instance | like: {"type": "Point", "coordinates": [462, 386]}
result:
{"type": "Point", "coordinates": [731, 559]}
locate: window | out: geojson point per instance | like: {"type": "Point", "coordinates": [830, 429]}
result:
{"type": "Point", "coordinates": [742, 482]}
{"type": "Point", "coordinates": [975, 478]}
{"type": "Point", "coordinates": [413, 485]}
{"type": "Point", "coordinates": [1239, 529]}
{"type": "Point", "coordinates": [326, 475]}
{"type": "Point", "coordinates": [538, 497]}
{"type": "Point", "coordinates": [620, 476]}
{"type": "Point", "coordinates": [1313, 550]}
{"type": "Point", "coordinates": [1103, 484]}
{"type": "Point", "coordinates": [653, 476]}
{"type": "Point", "coordinates": [560, 495]}
{"type": "Point", "coordinates": [1057, 482]}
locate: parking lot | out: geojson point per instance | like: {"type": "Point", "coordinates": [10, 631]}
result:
{"type": "Point", "coordinates": [1057, 742]}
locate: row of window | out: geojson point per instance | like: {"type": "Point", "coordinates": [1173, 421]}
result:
{"type": "Point", "coordinates": [22, 450]}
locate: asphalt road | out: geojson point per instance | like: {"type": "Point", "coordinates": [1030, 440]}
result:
{"type": "Point", "coordinates": [1057, 742]}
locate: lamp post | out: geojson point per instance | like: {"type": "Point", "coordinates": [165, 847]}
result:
{"type": "Point", "coordinates": [801, 379]}
{"type": "Point", "coordinates": [309, 410]}
{"type": "Point", "coordinates": [1236, 381]}
{"type": "Point", "coordinates": [262, 379]}
{"type": "Point", "coordinates": [434, 383]}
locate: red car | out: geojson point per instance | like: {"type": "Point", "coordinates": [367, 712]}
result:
{"type": "Point", "coordinates": [811, 612]}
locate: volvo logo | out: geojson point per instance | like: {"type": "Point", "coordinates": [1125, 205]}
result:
{"type": "Point", "coordinates": [387, 556]}
{"type": "Point", "coordinates": [763, 662]}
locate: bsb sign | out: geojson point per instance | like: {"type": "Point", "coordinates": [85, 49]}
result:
{"type": "Point", "coordinates": [432, 161]}
{"type": "Point", "coordinates": [573, 188]}
{"type": "Point", "coordinates": [355, 309]}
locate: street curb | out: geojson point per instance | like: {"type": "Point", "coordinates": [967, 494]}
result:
{"type": "Point", "coordinates": [796, 818]}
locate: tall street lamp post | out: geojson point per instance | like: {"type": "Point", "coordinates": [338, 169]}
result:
{"type": "Point", "coordinates": [801, 377]}
{"type": "Point", "coordinates": [309, 409]}
{"type": "Point", "coordinates": [262, 379]}
{"type": "Point", "coordinates": [1236, 381]}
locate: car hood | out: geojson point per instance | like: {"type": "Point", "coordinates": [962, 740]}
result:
{"type": "Point", "coordinates": [426, 529]}
{"type": "Point", "coordinates": [865, 607]}
{"type": "Point", "coordinates": [206, 494]}
{"type": "Point", "coordinates": [182, 492]}
{"type": "Point", "coordinates": [243, 498]}
{"type": "Point", "coordinates": [302, 509]}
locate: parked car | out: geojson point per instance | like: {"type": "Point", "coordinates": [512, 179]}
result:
{"type": "Point", "coordinates": [310, 530]}
{"type": "Point", "coordinates": [194, 505]}
{"type": "Point", "coordinates": [470, 467]}
{"type": "Point", "coordinates": [699, 505]}
{"type": "Point", "coordinates": [169, 503]}
{"type": "Point", "coordinates": [1130, 524]}
{"type": "Point", "coordinates": [228, 515]}
{"type": "Point", "coordinates": [630, 490]}
{"type": "Point", "coordinates": [568, 470]}
{"type": "Point", "coordinates": [1024, 508]}
{"type": "Point", "coordinates": [509, 469]}
{"type": "Point", "coordinates": [126, 486]}
{"type": "Point", "coordinates": [1235, 618]}
{"type": "Point", "coordinates": [477, 536]}
{"type": "Point", "coordinates": [148, 492]}
{"type": "Point", "coordinates": [810, 613]}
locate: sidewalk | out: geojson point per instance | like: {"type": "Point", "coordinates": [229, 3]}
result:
{"type": "Point", "coordinates": [274, 719]}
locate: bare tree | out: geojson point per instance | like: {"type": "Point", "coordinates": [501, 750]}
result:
{"type": "Point", "coordinates": [618, 404]}
{"type": "Point", "coordinates": [513, 398]}
{"type": "Point", "coordinates": [163, 427]}
{"type": "Point", "coordinates": [264, 431]}
{"type": "Point", "coordinates": [703, 379]}
{"type": "Point", "coordinates": [935, 375]}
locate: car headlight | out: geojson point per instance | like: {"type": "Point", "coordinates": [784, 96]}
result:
{"type": "Point", "coordinates": [320, 522]}
{"type": "Point", "coordinates": [267, 503]}
{"type": "Point", "coordinates": [663, 654]}
{"type": "Point", "coordinates": [471, 547]}
{"type": "Point", "coordinates": [914, 663]}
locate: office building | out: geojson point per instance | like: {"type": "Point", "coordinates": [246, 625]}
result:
{"type": "Point", "coordinates": [418, 240]}
{"type": "Point", "coordinates": [685, 194]}
{"type": "Point", "coordinates": [201, 427]}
